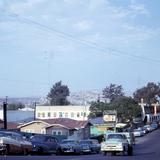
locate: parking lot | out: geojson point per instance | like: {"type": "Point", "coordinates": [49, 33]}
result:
{"type": "Point", "coordinates": [147, 147]}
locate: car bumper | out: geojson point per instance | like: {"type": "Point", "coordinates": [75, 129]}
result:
{"type": "Point", "coordinates": [118, 149]}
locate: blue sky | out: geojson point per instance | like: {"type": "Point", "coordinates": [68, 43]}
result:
{"type": "Point", "coordinates": [87, 44]}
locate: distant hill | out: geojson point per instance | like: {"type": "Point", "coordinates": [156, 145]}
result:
{"type": "Point", "coordinates": [76, 98]}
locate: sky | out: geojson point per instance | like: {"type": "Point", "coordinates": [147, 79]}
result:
{"type": "Point", "coordinates": [87, 44]}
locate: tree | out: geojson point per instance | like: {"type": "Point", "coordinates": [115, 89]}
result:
{"type": "Point", "coordinates": [97, 109]}
{"type": "Point", "coordinates": [149, 93]}
{"type": "Point", "coordinates": [127, 109]}
{"type": "Point", "coordinates": [58, 94]}
{"type": "Point", "coordinates": [113, 92]}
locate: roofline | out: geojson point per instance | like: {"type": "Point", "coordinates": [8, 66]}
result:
{"type": "Point", "coordinates": [31, 123]}
{"type": "Point", "coordinates": [58, 125]}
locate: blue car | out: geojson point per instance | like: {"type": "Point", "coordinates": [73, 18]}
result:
{"type": "Point", "coordinates": [45, 144]}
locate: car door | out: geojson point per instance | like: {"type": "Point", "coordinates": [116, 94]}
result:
{"type": "Point", "coordinates": [52, 144]}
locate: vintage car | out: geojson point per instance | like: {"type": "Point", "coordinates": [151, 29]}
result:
{"type": "Point", "coordinates": [13, 143]}
{"type": "Point", "coordinates": [115, 143]}
{"type": "Point", "coordinates": [138, 132]}
{"type": "Point", "coordinates": [90, 146]}
{"type": "Point", "coordinates": [70, 146]}
{"type": "Point", "coordinates": [43, 144]}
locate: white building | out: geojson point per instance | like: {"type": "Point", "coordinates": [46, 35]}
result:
{"type": "Point", "coordinates": [1, 114]}
{"type": "Point", "coordinates": [72, 112]}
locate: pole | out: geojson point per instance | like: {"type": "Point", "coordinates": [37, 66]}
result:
{"type": "Point", "coordinates": [5, 114]}
{"type": "Point", "coordinates": [35, 104]}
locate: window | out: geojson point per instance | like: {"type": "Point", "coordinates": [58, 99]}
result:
{"type": "Point", "coordinates": [43, 114]}
{"type": "Point", "coordinates": [72, 114]}
{"type": "Point", "coordinates": [54, 132]}
{"type": "Point", "coordinates": [59, 132]}
{"type": "Point", "coordinates": [39, 114]}
{"type": "Point", "coordinates": [60, 114]}
{"type": "Point", "coordinates": [54, 114]}
{"type": "Point", "coordinates": [78, 115]}
{"type": "Point", "coordinates": [29, 130]}
{"type": "Point", "coordinates": [66, 115]}
{"type": "Point", "coordinates": [49, 114]}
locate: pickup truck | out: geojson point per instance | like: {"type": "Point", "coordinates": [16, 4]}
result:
{"type": "Point", "coordinates": [115, 143]}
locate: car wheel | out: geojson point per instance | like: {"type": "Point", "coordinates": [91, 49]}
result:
{"type": "Point", "coordinates": [40, 150]}
{"type": "Point", "coordinates": [7, 150]}
{"type": "Point", "coordinates": [58, 152]}
{"type": "Point", "coordinates": [130, 151]}
{"type": "Point", "coordinates": [104, 153]}
{"type": "Point", "coordinates": [25, 151]}
{"type": "Point", "coordinates": [113, 153]}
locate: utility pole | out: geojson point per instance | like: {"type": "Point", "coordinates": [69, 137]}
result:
{"type": "Point", "coordinates": [5, 113]}
{"type": "Point", "coordinates": [35, 104]}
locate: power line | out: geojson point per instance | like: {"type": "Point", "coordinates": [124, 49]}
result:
{"type": "Point", "coordinates": [82, 41]}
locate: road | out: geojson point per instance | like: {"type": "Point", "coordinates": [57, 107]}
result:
{"type": "Point", "coordinates": [147, 148]}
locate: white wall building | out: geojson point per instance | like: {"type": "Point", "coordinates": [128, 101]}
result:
{"type": "Point", "coordinates": [1, 114]}
{"type": "Point", "coordinates": [72, 112]}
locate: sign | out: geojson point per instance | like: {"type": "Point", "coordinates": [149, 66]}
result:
{"type": "Point", "coordinates": [110, 116]}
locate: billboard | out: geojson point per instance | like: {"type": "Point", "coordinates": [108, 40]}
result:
{"type": "Point", "coordinates": [110, 116]}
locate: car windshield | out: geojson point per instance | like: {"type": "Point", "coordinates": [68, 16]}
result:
{"type": "Point", "coordinates": [69, 141]}
{"type": "Point", "coordinates": [37, 139]}
{"type": "Point", "coordinates": [85, 142]}
{"type": "Point", "coordinates": [114, 136]}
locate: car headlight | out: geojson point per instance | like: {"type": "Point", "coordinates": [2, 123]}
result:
{"type": "Point", "coordinates": [1, 141]}
{"type": "Point", "coordinates": [119, 145]}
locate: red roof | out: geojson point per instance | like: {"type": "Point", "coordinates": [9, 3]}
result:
{"type": "Point", "coordinates": [10, 125]}
{"type": "Point", "coordinates": [70, 123]}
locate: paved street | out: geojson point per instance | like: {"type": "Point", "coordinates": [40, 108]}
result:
{"type": "Point", "coordinates": [147, 148]}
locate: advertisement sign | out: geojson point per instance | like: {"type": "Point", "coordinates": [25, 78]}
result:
{"type": "Point", "coordinates": [110, 116]}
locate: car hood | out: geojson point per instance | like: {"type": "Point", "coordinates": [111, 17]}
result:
{"type": "Point", "coordinates": [113, 141]}
{"type": "Point", "coordinates": [67, 145]}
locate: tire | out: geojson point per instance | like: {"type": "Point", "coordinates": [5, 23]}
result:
{"type": "Point", "coordinates": [104, 153]}
{"type": "Point", "coordinates": [58, 152]}
{"type": "Point", "coordinates": [130, 151]}
{"type": "Point", "coordinates": [40, 150]}
{"type": "Point", "coordinates": [7, 151]}
{"type": "Point", "coordinates": [113, 153]}
{"type": "Point", "coordinates": [25, 151]}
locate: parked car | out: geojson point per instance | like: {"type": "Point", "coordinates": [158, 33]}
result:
{"type": "Point", "coordinates": [154, 125]}
{"type": "Point", "coordinates": [115, 143]}
{"type": "Point", "coordinates": [138, 132]}
{"type": "Point", "coordinates": [43, 144]}
{"type": "Point", "coordinates": [14, 143]}
{"type": "Point", "coordinates": [90, 146]}
{"type": "Point", "coordinates": [148, 128]}
{"type": "Point", "coordinates": [71, 146]}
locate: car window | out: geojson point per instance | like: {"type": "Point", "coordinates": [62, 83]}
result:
{"type": "Point", "coordinates": [85, 142]}
{"type": "Point", "coordinates": [115, 136]}
{"type": "Point", "coordinates": [37, 139]}
{"type": "Point", "coordinates": [53, 139]}
{"type": "Point", "coordinates": [70, 142]}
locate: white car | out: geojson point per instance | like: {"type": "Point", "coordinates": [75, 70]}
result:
{"type": "Point", "coordinates": [138, 132]}
{"type": "Point", "coordinates": [115, 143]}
